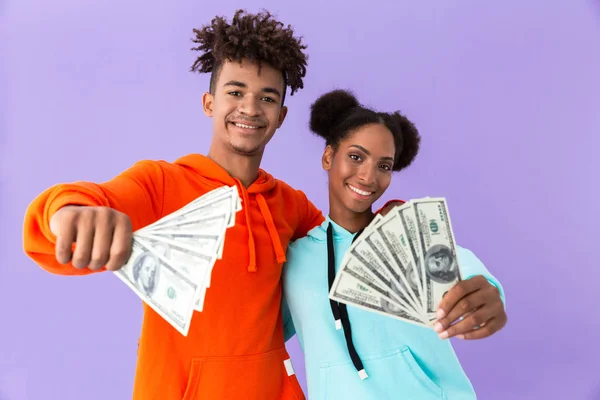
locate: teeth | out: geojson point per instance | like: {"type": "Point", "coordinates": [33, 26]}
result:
{"type": "Point", "coordinates": [245, 126]}
{"type": "Point", "coordinates": [359, 191]}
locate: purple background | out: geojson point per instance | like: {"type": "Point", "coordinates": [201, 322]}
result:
{"type": "Point", "coordinates": [506, 95]}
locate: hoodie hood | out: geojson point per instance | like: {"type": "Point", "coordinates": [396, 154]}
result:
{"type": "Point", "coordinates": [216, 176]}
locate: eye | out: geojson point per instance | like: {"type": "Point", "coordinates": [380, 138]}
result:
{"type": "Point", "coordinates": [269, 99]}
{"type": "Point", "coordinates": [386, 167]}
{"type": "Point", "coordinates": [234, 93]}
{"type": "Point", "coordinates": [355, 157]}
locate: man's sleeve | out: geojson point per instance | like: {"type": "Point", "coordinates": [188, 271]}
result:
{"type": "Point", "coordinates": [137, 192]}
{"type": "Point", "coordinates": [310, 216]}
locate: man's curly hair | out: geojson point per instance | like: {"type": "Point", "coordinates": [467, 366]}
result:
{"type": "Point", "coordinates": [257, 37]}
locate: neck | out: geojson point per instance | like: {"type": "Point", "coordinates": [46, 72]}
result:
{"type": "Point", "coordinates": [242, 167]}
{"type": "Point", "coordinates": [350, 220]}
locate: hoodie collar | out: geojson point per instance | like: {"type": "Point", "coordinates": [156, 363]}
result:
{"type": "Point", "coordinates": [216, 176]}
{"type": "Point", "coordinates": [340, 234]}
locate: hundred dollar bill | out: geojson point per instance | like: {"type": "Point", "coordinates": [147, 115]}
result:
{"type": "Point", "coordinates": [392, 245]}
{"type": "Point", "coordinates": [196, 265]}
{"type": "Point", "coordinates": [349, 289]}
{"type": "Point", "coordinates": [437, 249]}
{"type": "Point", "coordinates": [187, 259]}
{"type": "Point", "coordinates": [212, 224]}
{"type": "Point", "coordinates": [217, 206]}
{"type": "Point", "coordinates": [163, 287]}
{"type": "Point", "coordinates": [357, 268]}
{"type": "Point", "coordinates": [415, 271]}
{"type": "Point", "coordinates": [196, 203]}
{"type": "Point", "coordinates": [204, 243]}
{"type": "Point", "coordinates": [365, 251]}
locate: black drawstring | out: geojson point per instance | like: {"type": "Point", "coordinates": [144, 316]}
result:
{"type": "Point", "coordinates": [339, 310]}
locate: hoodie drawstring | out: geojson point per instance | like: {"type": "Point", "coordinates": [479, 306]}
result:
{"type": "Point", "coordinates": [339, 310]}
{"type": "Point", "coordinates": [264, 210]}
{"type": "Point", "coordinates": [266, 214]}
{"type": "Point", "coordinates": [251, 245]}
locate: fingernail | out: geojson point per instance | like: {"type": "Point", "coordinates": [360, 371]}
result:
{"type": "Point", "coordinates": [440, 314]}
{"type": "Point", "coordinates": [438, 327]}
{"type": "Point", "coordinates": [443, 335]}
{"type": "Point", "coordinates": [460, 336]}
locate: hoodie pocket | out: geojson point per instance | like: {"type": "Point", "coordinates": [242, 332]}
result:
{"type": "Point", "coordinates": [392, 375]}
{"type": "Point", "coordinates": [257, 377]}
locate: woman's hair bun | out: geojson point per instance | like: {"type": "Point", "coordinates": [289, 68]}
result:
{"type": "Point", "coordinates": [329, 109]}
{"type": "Point", "coordinates": [411, 141]}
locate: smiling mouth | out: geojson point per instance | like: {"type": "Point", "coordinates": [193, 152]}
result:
{"type": "Point", "coordinates": [244, 126]}
{"type": "Point", "coordinates": [360, 192]}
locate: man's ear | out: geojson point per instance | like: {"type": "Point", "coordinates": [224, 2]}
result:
{"type": "Point", "coordinates": [282, 115]}
{"type": "Point", "coordinates": [327, 158]}
{"type": "Point", "coordinates": [207, 104]}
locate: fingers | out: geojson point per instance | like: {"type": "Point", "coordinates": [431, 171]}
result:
{"type": "Point", "coordinates": [491, 327]}
{"type": "Point", "coordinates": [479, 324]}
{"type": "Point", "coordinates": [65, 237]}
{"type": "Point", "coordinates": [122, 240]}
{"type": "Point", "coordinates": [460, 290]}
{"type": "Point", "coordinates": [464, 306]}
{"type": "Point", "coordinates": [103, 237]}
{"type": "Point", "coordinates": [473, 321]}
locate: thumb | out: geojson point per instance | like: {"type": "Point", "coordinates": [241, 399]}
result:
{"type": "Point", "coordinates": [55, 223]}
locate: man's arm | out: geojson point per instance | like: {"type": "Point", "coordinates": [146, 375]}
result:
{"type": "Point", "coordinates": [134, 198]}
{"type": "Point", "coordinates": [310, 216]}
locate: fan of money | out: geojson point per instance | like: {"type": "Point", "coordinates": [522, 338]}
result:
{"type": "Point", "coordinates": [402, 264]}
{"type": "Point", "coordinates": [172, 259]}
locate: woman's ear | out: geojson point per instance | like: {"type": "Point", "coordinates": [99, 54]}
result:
{"type": "Point", "coordinates": [327, 158]}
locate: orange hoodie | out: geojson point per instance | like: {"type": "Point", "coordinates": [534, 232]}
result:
{"type": "Point", "coordinates": [235, 347]}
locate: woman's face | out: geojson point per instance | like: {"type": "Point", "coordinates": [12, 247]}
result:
{"type": "Point", "coordinates": [360, 170]}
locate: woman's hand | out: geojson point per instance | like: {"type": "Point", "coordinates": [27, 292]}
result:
{"type": "Point", "coordinates": [472, 309]}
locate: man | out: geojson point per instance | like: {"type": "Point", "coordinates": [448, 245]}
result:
{"type": "Point", "coordinates": [235, 347]}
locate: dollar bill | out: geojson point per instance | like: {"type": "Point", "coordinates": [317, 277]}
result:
{"type": "Point", "coordinates": [173, 258]}
{"type": "Point", "coordinates": [392, 245]}
{"type": "Point", "coordinates": [359, 270]}
{"type": "Point", "coordinates": [189, 260]}
{"type": "Point", "coordinates": [163, 287]}
{"type": "Point", "coordinates": [365, 251]}
{"type": "Point", "coordinates": [205, 243]}
{"type": "Point", "coordinates": [438, 256]}
{"type": "Point", "coordinates": [351, 290]}
{"type": "Point", "coordinates": [222, 205]}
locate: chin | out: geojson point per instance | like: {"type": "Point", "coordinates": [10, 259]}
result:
{"type": "Point", "coordinates": [246, 150]}
{"type": "Point", "coordinates": [358, 207]}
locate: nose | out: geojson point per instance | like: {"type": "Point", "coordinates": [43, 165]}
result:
{"type": "Point", "coordinates": [367, 175]}
{"type": "Point", "coordinates": [249, 106]}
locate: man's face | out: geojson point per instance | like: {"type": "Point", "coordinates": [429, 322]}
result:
{"type": "Point", "coordinates": [246, 107]}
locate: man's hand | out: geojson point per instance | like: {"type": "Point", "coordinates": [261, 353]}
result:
{"type": "Point", "coordinates": [477, 306]}
{"type": "Point", "coordinates": [102, 237]}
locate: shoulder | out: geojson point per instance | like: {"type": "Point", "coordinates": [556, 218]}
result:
{"type": "Point", "coordinates": [305, 243]}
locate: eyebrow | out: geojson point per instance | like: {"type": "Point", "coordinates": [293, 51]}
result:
{"type": "Point", "coordinates": [244, 86]}
{"type": "Point", "coordinates": [367, 152]}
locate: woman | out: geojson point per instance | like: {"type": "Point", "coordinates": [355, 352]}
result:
{"type": "Point", "coordinates": [374, 356]}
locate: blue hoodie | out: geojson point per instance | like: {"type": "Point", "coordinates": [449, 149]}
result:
{"type": "Point", "coordinates": [402, 360]}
